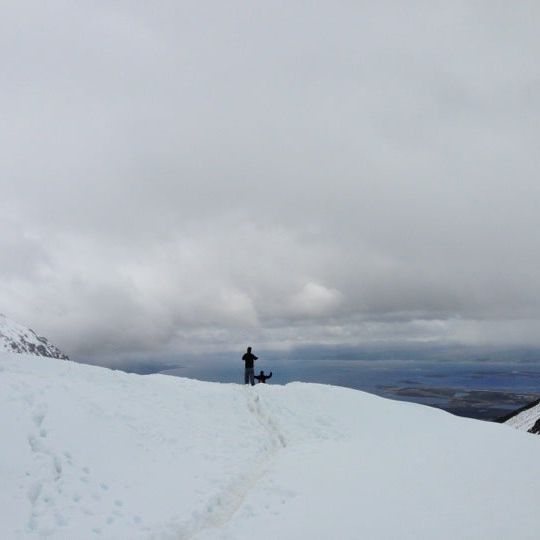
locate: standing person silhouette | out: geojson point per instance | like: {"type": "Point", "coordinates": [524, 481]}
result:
{"type": "Point", "coordinates": [249, 372]}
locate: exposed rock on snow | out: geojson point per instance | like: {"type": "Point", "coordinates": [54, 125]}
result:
{"type": "Point", "coordinates": [17, 338]}
{"type": "Point", "coordinates": [536, 428]}
{"type": "Point", "coordinates": [525, 419]}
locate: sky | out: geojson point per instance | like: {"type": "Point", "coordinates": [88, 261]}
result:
{"type": "Point", "coordinates": [199, 176]}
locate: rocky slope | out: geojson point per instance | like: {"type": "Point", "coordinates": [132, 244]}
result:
{"type": "Point", "coordinates": [17, 338]}
{"type": "Point", "coordinates": [525, 419]}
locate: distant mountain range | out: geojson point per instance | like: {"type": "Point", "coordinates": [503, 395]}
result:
{"type": "Point", "coordinates": [17, 338]}
{"type": "Point", "coordinates": [525, 418]}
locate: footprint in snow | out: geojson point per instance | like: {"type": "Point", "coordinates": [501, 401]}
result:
{"type": "Point", "coordinates": [38, 418]}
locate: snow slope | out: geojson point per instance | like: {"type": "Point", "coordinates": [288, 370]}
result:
{"type": "Point", "coordinates": [92, 453]}
{"type": "Point", "coordinates": [526, 419]}
{"type": "Point", "coordinates": [17, 338]}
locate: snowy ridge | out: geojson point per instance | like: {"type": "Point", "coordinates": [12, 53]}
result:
{"type": "Point", "coordinates": [92, 453]}
{"type": "Point", "coordinates": [17, 338]}
{"type": "Point", "coordinates": [526, 419]}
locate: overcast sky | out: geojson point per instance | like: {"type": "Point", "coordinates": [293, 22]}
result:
{"type": "Point", "coordinates": [190, 175]}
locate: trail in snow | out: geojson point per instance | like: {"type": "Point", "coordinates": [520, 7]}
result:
{"type": "Point", "coordinates": [57, 485]}
{"type": "Point", "coordinates": [267, 422]}
{"type": "Point", "coordinates": [89, 453]}
{"type": "Point", "coordinates": [221, 507]}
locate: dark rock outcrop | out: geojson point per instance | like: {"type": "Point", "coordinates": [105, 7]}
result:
{"type": "Point", "coordinates": [536, 428]}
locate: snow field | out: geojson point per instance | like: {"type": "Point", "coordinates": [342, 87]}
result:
{"type": "Point", "coordinates": [93, 453]}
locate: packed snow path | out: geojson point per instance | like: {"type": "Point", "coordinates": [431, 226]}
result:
{"type": "Point", "coordinates": [93, 453]}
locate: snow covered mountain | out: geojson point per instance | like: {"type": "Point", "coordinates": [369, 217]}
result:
{"type": "Point", "coordinates": [17, 338]}
{"type": "Point", "coordinates": [92, 453]}
{"type": "Point", "coordinates": [526, 418]}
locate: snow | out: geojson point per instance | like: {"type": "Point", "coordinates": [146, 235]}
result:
{"type": "Point", "coordinates": [17, 338]}
{"type": "Point", "coordinates": [92, 453]}
{"type": "Point", "coordinates": [526, 419]}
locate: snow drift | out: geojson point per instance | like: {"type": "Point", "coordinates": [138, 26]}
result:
{"type": "Point", "coordinates": [92, 453]}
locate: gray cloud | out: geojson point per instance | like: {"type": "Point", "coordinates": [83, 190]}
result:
{"type": "Point", "coordinates": [197, 175]}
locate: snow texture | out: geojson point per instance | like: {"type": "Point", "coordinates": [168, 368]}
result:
{"type": "Point", "coordinates": [17, 338]}
{"type": "Point", "coordinates": [526, 419]}
{"type": "Point", "coordinates": [92, 453]}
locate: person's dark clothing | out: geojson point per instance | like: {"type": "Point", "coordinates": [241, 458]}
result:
{"type": "Point", "coordinates": [262, 378]}
{"type": "Point", "coordinates": [249, 376]}
{"type": "Point", "coordinates": [249, 372]}
{"type": "Point", "coordinates": [249, 358]}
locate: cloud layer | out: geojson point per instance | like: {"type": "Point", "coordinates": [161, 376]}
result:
{"type": "Point", "coordinates": [191, 175]}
